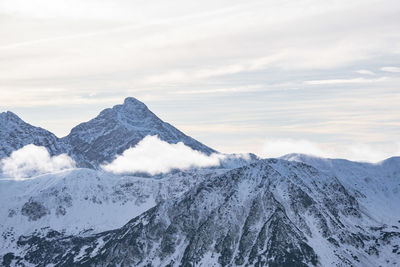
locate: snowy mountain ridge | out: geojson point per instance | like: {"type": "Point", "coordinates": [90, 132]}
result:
{"type": "Point", "coordinates": [269, 213]}
{"type": "Point", "coordinates": [15, 134]}
{"type": "Point", "coordinates": [298, 210]}
{"type": "Point", "coordinates": [116, 129]}
{"type": "Point", "coordinates": [99, 140]}
{"type": "Point", "coordinates": [377, 184]}
{"type": "Point", "coordinates": [84, 201]}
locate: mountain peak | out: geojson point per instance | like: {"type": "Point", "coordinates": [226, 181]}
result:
{"type": "Point", "coordinates": [99, 140]}
{"type": "Point", "coordinates": [118, 128]}
{"type": "Point", "coordinates": [10, 116]}
{"type": "Point", "coordinates": [133, 108]}
{"type": "Point", "coordinates": [131, 101]}
{"type": "Point", "coordinates": [16, 133]}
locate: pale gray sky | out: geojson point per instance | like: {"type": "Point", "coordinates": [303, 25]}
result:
{"type": "Point", "coordinates": [319, 77]}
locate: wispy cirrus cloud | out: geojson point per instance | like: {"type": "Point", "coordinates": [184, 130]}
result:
{"type": "Point", "coordinates": [391, 69]}
{"type": "Point", "coordinates": [365, 72]}
{"type": "Point", "coordinates": [252, 64]}
{"type": "Point", "coordinates": [345, 81]}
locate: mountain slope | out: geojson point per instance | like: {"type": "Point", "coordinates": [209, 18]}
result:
{"type": "Point", "coordinates": [97, 141]}
{"type": "Point", "coordinates": [83, 201]}
{"type": "Point", "coordinates": [15, 133]}
{"type": "Point", "coordinates": [116, 129]}
{"type": "Point", "coordinates": [295, 211]}
{"type": "Point", "coordinates": [269, 213]}
{"type": "Point", "coordinates": [376, 185]}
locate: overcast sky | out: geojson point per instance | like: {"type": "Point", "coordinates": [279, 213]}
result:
{"type": "Point", "coordinates": [269, 77]}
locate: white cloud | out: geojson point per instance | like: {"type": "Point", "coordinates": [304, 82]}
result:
{"type": "Point", "coordinates": [345, 81]}
{"type": "Point", "coordinates": [226, 90]}
{"type": "Point", "coordinates": [32, 160]}
{"type": "Point", "coordinates": [278, 147]}
{"type": "Point", "coordinates": [356, 152]}
{"type": "Point", "coordinates": [211, 53]}
{"type": "Point", "coordinates": [154, 156]}
{"type": "Point", "coordinates": [199, 74]}
{"type": "Point", "coordinates": [391, 69]}
{"type": "Point", "coordinates": [365, 72]}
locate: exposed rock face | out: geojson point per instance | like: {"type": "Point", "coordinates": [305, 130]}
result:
{"type": "Point", "coordinates": [84, 201]}
{"type": "Point", "coordinates": [15, 134]}
{"type": "Point", "coordinates": [99, 140]}
{"type": "Point", "coordinates": [33, 210]}
{"type": "Point", "coordinates": [269, 213]}
{"type": "Point", "coordinates": [302, 211]}
{"type": "Point", "coordinates": [374, 185]}
{"type": "Point", "coordinates": [116, 129]}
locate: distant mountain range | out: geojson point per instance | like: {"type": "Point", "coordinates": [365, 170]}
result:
{"type": "Point", "coordinates": [99, 140]}
{"type": "Point", "coordinates": [297, 210]}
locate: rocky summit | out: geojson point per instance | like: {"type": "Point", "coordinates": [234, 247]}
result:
{"type": "Point", "coordinates": [99, 140]}
{"type": "Point", "coordinates": [297, 210]}
{"type": "Point", "coordinates": [15, 134]}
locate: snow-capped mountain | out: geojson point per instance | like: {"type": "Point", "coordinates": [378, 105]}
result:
{"type": "Point", "coordinates": [116, 129]}
{"type": "Point", "coordinates": [295, 211]}
{"type": "Point", "coordinates": [269, 213]}
{"type": "Point", "coordinates": [376, 185]}
{"type": "Point", "coordinates": [15, 133]}
{"type": "Point", "coordinates": [99, 140]}
{"type": "Point", "coordinates": [84, 201]}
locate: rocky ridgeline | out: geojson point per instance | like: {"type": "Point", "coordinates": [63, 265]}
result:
{"type": "Point", "coordinates": [295, 211]}
{"type": "Point", "coordinates": [99, 140]}
{"type": "Point", "coordinates": [269, 213]}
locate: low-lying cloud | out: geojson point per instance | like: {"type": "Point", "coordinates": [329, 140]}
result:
{"type": "Point", "coordinates": [154, 156]}
{"type": "Point", "coordinates": [358, 152]}
{"type": "Point", "coordinates": [32, 160]}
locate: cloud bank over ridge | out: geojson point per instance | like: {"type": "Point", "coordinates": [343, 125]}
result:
{"type": "Point", "coordinates": [154, 156]}
{"type": "Point", "coordinates": [277, 147]}
{"type": "Point", "coordinates": [32, 160]}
